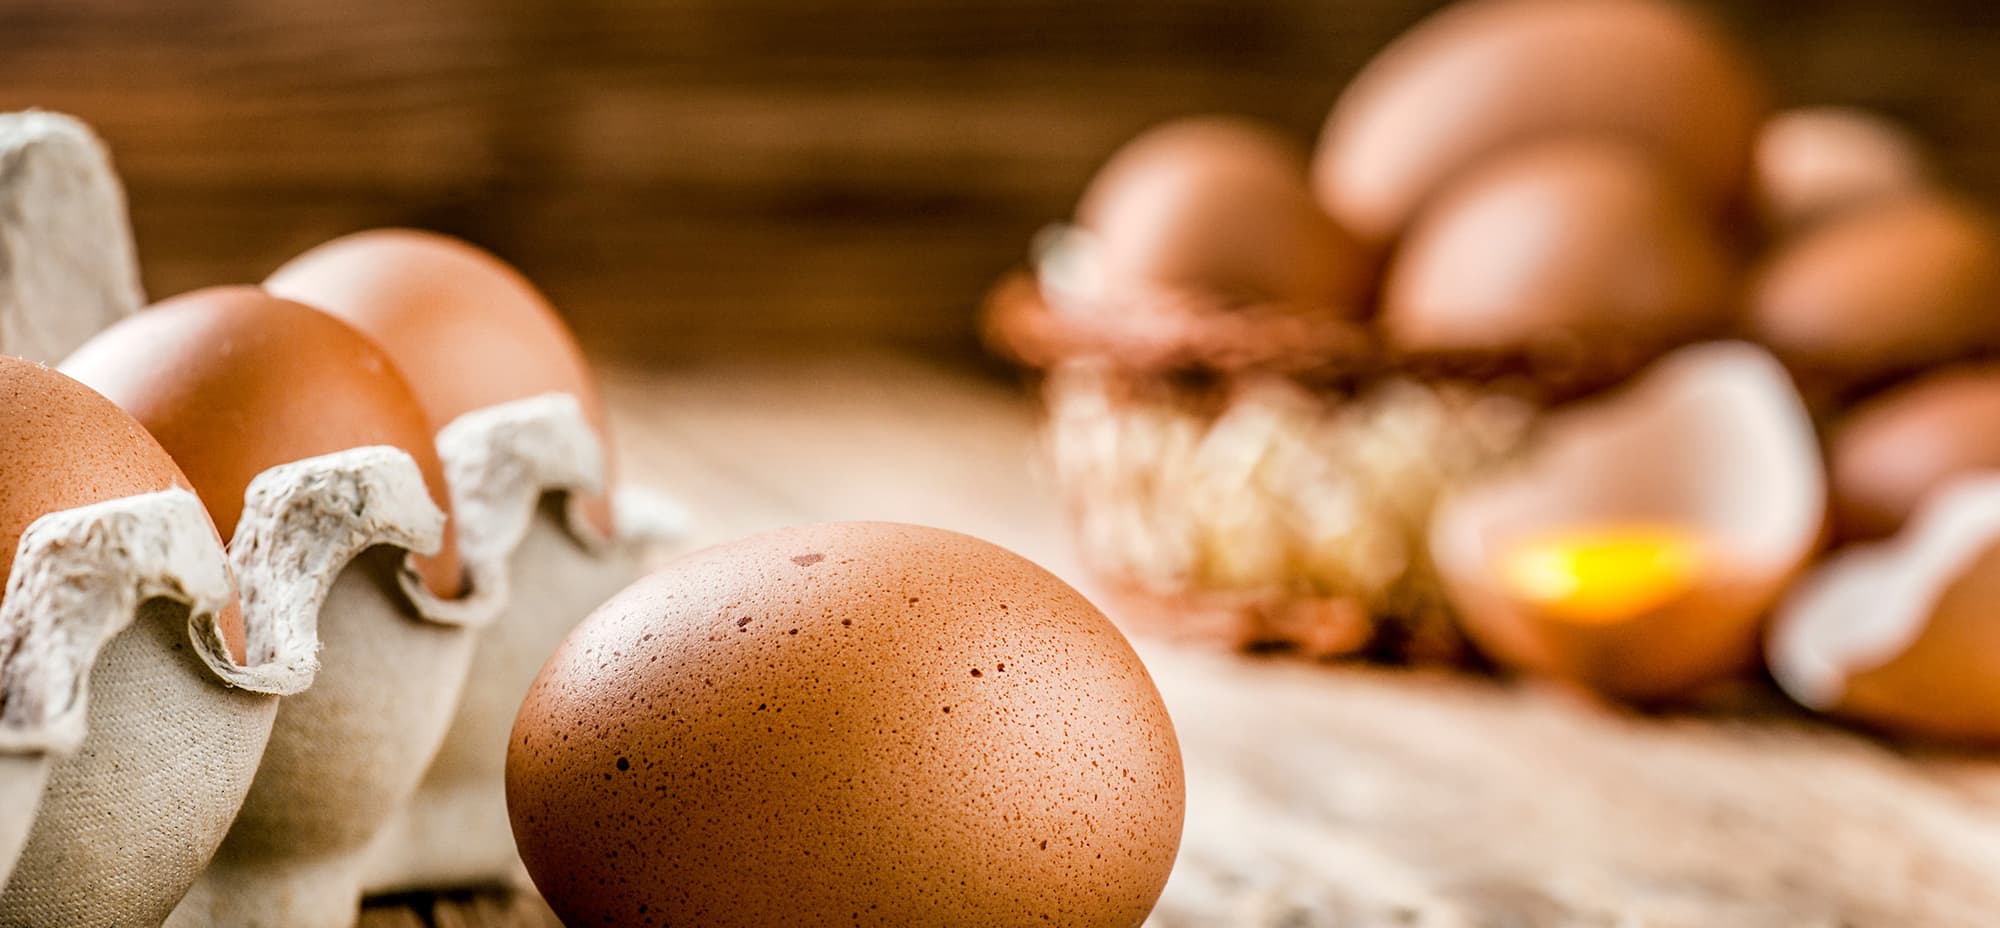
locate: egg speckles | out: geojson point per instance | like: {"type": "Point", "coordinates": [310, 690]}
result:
{"type": "Point", "coordinates": [847, 723]}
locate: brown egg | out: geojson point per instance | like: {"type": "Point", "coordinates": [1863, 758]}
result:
{"type": "Point", "coordinates": [1904, 634]}
{"type": "Point", "coordinates": [1576, 252]}
{"type": "Point", "coordinates": [1891, 453]}
{"type": "Point", "coordinates": [1814, 161]}
{"type": "Point", "coordinates": [842, 723]}
{"type": "Point", "coordinates": [1637, 548]}
{"type": "Point", "coordinates": [1880, 289]}
{"type": "Point", "coordinates": [66, 446]}
{"type": "Point", "coordinates": [467, 330]}
{"type": "Point", "coordinates": [234, 381]}
{"type": "Point", "coordinates": [1216, 206]}
{"type": "Point", "coordinates": [1486, 74]}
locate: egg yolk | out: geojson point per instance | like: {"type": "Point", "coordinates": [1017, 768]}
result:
{"type": "Point", "coordinates": [1603, 574]}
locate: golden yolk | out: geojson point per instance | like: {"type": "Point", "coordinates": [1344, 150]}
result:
{"type": "Point", "coordinates": [1602, 574]}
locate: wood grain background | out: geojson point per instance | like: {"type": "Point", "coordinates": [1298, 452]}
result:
{"type": "Point", "coordinates": [692, 175]}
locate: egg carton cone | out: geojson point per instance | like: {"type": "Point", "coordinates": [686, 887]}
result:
{"type": "Point", "coordinates": [514, 469]}
{"type": "Point", "coordinates": [79, 579]}
{"type": "Point", "coordinates": [180, 730]}
{"type": "Point", "coordinates": [331, 541]}
{"type": "Point", "coordinates": [68, 267]}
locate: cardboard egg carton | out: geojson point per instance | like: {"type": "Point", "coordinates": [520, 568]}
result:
{"type": "Point", "coordinates": [206, 786]}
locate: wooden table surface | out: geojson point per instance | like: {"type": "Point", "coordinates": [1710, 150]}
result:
{"type": "Point", "coordinates": [1343, 795]}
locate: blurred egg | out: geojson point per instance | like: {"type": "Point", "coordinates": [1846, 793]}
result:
{"type": "Point", "coordinates": [1892, 452]}
{"type": "Point", "coordinates": [1905, 633]}
{"type": "Point", "coordinates": [1486, 74]}
{"type": "Point", "coordinates": [1576, 252]}
{"type": "Point", "coordinates": [234, 381]}
{"type": "Point", "coordinates": [466, 329]}
{"type": "Point", "coordinates": [1216, 206]}
{"type": "Point", "coordinates": [1880, 289]}
{"type": "Point", "coordinates": [1638, 545]}
{"type": "Point", "coordinates": [67, 446]}
{"type": "Point", "coordinates": [1813, 161]}
{"type": "Point", "coordinates": [847, 721]}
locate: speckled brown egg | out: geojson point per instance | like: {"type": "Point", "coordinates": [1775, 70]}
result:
{"type": "Point", "coordinates": [1814, 161]}
{"type": "Point", "coordinates": [1574, 252]}
{"type": "Point", "coordinates": [1895, 450]}
{"type": "Point", "coordinates": [1881, 289]}
{"type": "Point", "coordinates": [466, 329]}
{"type": "Point", "coordinates": [1487, 74]}
{"type": "Point", "coordinates": [65, 446]}
{"type": "Point", "coordinates": [234, 381]}
{"type": "Point", "coordinates": [850, 723]}
{"type": "Point", "coordinates": [1217, 206]}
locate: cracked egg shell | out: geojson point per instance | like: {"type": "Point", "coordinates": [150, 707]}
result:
{"type": "Point", "coordinates": [66, 446]}
{"type": "Point", "coordinates": [233, 381]}
{"type": "Point", "coordinates": [1639, 544]}
{"type": "Point", "coordinates": [1904, 634]}
{"type": "Point", "coordinates": [1896, 449]}
{"type": "Point", "coordinates": [1217, 206]}
{"type": "Point", "coordinates": [1881, 289]}
{"type": "Point", "coordinates": [1816, 160]}
{"type": "Point", "coordinates": [1484, 75]}
{"type": "Point", "coordinates": [1577, 254]}
{"type": "Point", "coordinates": [467, 330]}
{"type": "Point", "coordinates": [855, 717]}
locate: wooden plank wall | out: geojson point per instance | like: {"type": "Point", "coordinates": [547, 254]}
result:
{"type": "Point", "coordinates": [697, 175]}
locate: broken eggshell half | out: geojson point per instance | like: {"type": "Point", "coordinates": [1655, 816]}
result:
{"type": "Point", "coordinates": [78, 579]}
{"type": "Point", "coordinates": [1638, 545]}
{"type": "Point", "coordinates": [1903, 634]}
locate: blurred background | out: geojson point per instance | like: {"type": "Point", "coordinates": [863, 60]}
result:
{"type": "Point", "coordinates": [747, 176]}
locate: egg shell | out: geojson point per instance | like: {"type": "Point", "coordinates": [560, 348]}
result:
{"type": "Point", "coordinates": [1713, 440]}
{"type": "Point", "coordinates": [467, 330]}
{"type": "Point", "coordinates": [1881, 289]}
{"type": "Point", "coordinates": [1903, 634]}
{"type": "Point", "coordinates": [234, 381]}
{"type": "Point", "coordinates": [1486, 74]}
{"type": "Point", "coordinates": [1814, 161]}
{"type": "Point", "coordinates": [855, 722]}
{"type": "Point", "coordinates": [1898, 448]}
{"type": "Point", "coordinates": [1572, 253]}
{"type": "Point", "coordinates": [1218, 205]}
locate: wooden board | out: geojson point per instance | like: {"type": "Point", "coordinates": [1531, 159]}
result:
{"type": "Point", "coordinates": [1344, 795]}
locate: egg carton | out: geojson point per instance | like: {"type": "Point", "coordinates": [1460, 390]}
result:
{"type": "Point", "coordinates": [262, 733]}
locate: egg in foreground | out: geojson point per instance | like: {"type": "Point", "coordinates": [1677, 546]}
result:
{"type": "Point", "coordinates": [849, 723]}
